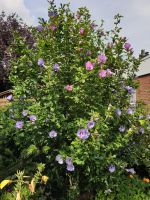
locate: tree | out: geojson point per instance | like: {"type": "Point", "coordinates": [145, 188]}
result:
{"type": "Point", "coordinates": [8, 26]}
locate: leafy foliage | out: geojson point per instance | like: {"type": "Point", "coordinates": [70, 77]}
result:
{"type": "Point", "coordinates": [8, 25]}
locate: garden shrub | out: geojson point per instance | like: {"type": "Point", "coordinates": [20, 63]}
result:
{"type": "Point", "coordinates": [9, 25]}
{"type": "Point", "coordinates": [71, 107]}
{"type": "Point", "coordinates": [130, 188]}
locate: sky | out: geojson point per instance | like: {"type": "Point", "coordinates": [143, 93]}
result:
{"type": "Point", "coordinates": [135, 24]}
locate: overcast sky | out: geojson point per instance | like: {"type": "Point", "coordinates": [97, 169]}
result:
{"type": "Point", "coordinates": [136, 21]}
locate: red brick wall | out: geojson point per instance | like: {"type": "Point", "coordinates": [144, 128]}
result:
{"type": "Point", "coordinates": [143, 92]}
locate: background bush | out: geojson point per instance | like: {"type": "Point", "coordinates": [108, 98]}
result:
{"type": "Point", "coordinates": [9, 24]}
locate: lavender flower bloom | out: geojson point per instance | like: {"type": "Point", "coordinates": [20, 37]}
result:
{"type": "Point", "coordinates": [69, 88]}
{"type": "Point", "coordinates": [52, 134]}
{"type": "Point", "coordinates": [32, 118]}
{"type": "Point", "coordinates": [93, 25]}
{"type": "Point", "coordinates": [10, 97]}
{"type": "Point", "coordinates": [118, 112]}
{"type": "Point", "coordinates": [102, 58]}
{"type": "Point", "coordinates": [40, 28]}
{"type": "Point", "coordinates": [130, 89]}
{"type": "Point", "coordinates": [102, 73]}
{"type": "Point", "coordinates": [122, 129]}
{"type": "Point", "coordinates": [56, 67]}
{"type": "Point", "coordinates": [70, 168]}
{"type": "Point", "coordinates": [69, 161]}
{"type": "Point", "coordinates": [78, 15]}
{"type": "Point", "coordinates": [127, 46]}
{"type": "Point", "coordinates": [59, 159]}
{"type": "Point", "coordinates": [82, 31]}
{"type": "Point", "coordinates": [52, 13]}
{"type": "Point", "coordinates": [91, 124]}
{"type": "Point", "coordinates": [130, 111]}
{"type": "Point", "coordinates": [142, 130]}
{"type": "Point", "coordinates": [19, 124]}
{"type": "Point", "coordinates": [112, 168]}
{"type": "Point", "coordinates": [40, 62]}
{"type": "Point", "coordinates": [83, 134]}
{"type": "Point", "coordinates": [109, 72]}
{"type": "Point", "coordinates": [89, 65]}
{"type": "Point", "coordinates": [131, 170]}
{"type": "Point", "coordinates": [24, 112]}
{"type": "Point", "coordinates": [53, 27]}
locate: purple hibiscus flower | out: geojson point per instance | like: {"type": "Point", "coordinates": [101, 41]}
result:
{"type": "Point", "coordinates": [40, 62]}
{"type": "Point", "coordinates": [69, 161]}
{"type": "Point", "coordinates": [82, 31]}
{"type": "Point", "coordinates": [131, 170]}
{"type": "Point", "coordinates": [56, 67]}
{"type": "Point", "coordinates": [83, 134]}
{"type": "Point", "coordinates": [122, 128]}
{"type": "Point", "coordinates": [10, 97]}
{"type": "Point", "coordinates": [19, 124]}
{"type": "Point", "coordinates": [32, 118]}
{"type": "Point", "coordinates": [102, 58]}
{"type": "Point", "coordinates": [130, 111]}
{"type": "Point", "coordinates": [127, 46]}
{"type": "Point", "coordinates": [40, 28]}
{"type": "Point", "coordinates": [52, 13]}
{"type": "Point", "coordinates": [91, 124]}
{"type": "Point", "coordinates": [69, 88]}
{"type": "Point", "coordinates": [59, 159]}
{"type": "Point", "coordinates": [130, 89]}
{"type": "Point", "coordinates": [142, 130]}
{"type": "Point", "coordinates": [77, 15]}
{"type": "Point", "coordinates": [102, 73]}
{"type": "Point", "coordinates": [112, 168]}
{"type": "Point", "coordinates": [25, 112]}
{"type": "Point", "coordinates": [52, 134]}
{"type": "Point", "coordinates": [93, 25]}
{"type": "Point", "coordinates": [118, 112]}
{"type": "Point", "coordinates": [53, 27]}
{"type": "Point", "coordinates": [70, 168]}
{"type": "Point", "coordinates": [109, 72]}
{"type": "Point", "coordinates": [89, 66]}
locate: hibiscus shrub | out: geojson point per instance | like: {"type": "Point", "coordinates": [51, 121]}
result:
{"type": "Point", "coordinates": [71, 106]}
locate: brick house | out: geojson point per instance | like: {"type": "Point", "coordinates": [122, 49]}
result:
{"type": "Point", "coordinates": [143, 77]}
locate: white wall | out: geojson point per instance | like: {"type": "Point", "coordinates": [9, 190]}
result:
{"type": "Point", "coordinates": [144, 68]}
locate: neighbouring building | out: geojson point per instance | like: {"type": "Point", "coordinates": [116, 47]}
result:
{"type": "Point", "coordinates": [143, 76]}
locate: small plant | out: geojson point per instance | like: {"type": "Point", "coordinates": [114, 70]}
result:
{"type": "Point", "coordinates": [23, 187]}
